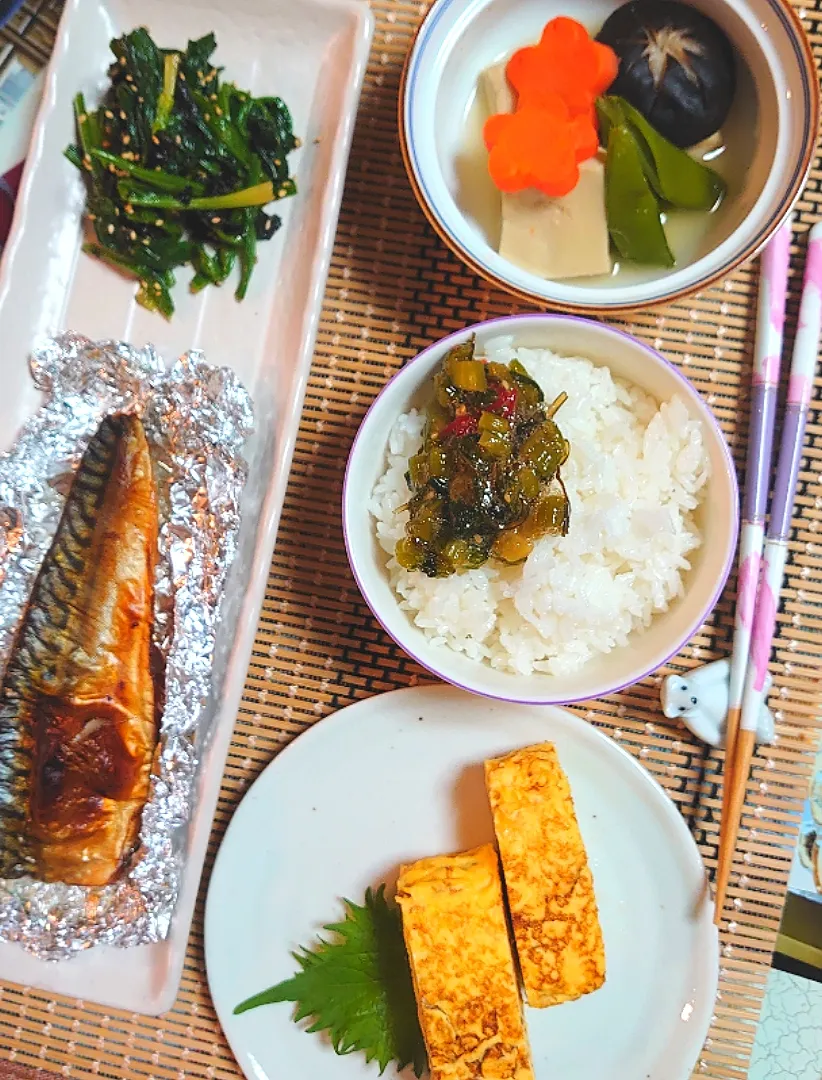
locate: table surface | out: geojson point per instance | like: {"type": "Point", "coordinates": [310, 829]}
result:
{"type": "Point", "coordinates": [394, 288]}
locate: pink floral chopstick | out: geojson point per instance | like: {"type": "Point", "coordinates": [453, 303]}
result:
{"type": "Point", "coordinates": [773, 290]}
{"type": "Point", "coordinates": [800, 388]}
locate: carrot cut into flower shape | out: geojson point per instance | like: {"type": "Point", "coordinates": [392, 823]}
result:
{"type": "Point", "coordinates": [607, 67]}
{"type": "Point", "coordinates": [567, 62]}
{"type": "Point", "coordinates": [554, 127]}
{"type": "Point", "coordinates": [533, 148]}
{"type": "Point", "coordinates": [536, 80]}
{"type": "Point", "coordinates": [586, 137]}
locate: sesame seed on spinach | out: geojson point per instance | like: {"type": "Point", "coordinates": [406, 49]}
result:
{"type": "Point", "coordinates": [179, 166]}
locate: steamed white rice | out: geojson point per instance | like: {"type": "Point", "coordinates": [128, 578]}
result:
{"type": "Point", "coordinates": [634, 478]}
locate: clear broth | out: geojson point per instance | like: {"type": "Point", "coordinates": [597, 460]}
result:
{"type": "Point", "coordinates": [691, 234]}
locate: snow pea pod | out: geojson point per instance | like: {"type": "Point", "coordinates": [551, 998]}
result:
{"type": "Point", "coordinates": [630, 203]}
{"type": "Point", "coordinates": [673, 174]}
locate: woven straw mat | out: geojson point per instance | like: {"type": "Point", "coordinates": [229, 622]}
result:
{"type": "Point", "coordinates": [393, 289]}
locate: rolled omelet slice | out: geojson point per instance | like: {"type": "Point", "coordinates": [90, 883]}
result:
{"type": "Point", "coordinates": [463, 969]}
{"type": "Point", "coordinates": [547, 877]}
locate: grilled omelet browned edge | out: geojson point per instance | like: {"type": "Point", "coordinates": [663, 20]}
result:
{"type": "Point", "coordinates": [77, 710]}
{"type": "Point", "coordinates": [464, 979]}
{"type": "Point", "coordinates": [547, 877]}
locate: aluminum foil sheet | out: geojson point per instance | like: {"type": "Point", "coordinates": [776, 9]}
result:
{"type": "Point", "coordinates": [197, 419]}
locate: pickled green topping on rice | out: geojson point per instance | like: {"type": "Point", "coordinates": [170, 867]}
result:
{"type": "Point", "coordinates": [486, 481]}
{"type": "Point", "coordinates": [635, 477]}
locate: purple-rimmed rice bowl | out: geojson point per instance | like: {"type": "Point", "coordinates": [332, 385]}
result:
{"type": "Point", "coordinates": [646, 649]}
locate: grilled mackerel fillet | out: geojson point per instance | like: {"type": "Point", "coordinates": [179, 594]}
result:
{"type": "Point", "coordinates": [77, 718]}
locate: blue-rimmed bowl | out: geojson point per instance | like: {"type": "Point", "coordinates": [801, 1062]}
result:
{"type": "Point", "coordinates": [717, 517]}
{"type": "Point", "coordinates": [774, 120]}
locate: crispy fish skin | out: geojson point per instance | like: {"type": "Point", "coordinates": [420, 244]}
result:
{"type": "Point", "coordinates": [77, 712]}
{"type": "Point", "coordinates": [548, 880]}
{"type": "Point", "coordinates": [464, 978]}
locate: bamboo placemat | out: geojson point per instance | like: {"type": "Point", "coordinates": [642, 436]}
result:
{"type": "Point", "coordinates": [393, 289]}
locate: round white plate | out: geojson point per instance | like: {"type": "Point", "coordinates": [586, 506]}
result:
{"type": "Point", "coordinates": [397, 777]}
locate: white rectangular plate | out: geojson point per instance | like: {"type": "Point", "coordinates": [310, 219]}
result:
{"type": "Point", "coordinates": [312, 53]}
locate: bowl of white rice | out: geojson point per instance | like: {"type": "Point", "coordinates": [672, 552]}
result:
{"type": "Point", "coordinates": [654, 515]}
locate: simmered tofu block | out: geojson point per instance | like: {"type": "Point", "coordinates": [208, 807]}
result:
{"type": "Point", "coordinates": [497, 93]}
{"type": "Point", "coordinates": [559, 238]}
{"type": "Point", "coordinates": [563, 237]}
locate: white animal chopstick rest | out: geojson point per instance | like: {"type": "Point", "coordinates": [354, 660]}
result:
{"type": "Point", "coordinates": [700, 700]}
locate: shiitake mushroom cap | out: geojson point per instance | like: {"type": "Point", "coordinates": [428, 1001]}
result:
{"type": "Point", "coordinates": [675, 65]}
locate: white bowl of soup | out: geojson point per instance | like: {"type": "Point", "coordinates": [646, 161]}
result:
{"type": "Point", "coordinates": [763, 152]}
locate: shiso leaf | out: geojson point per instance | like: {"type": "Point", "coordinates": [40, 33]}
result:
{"type": "Point", "coordinates": [357, 987]}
